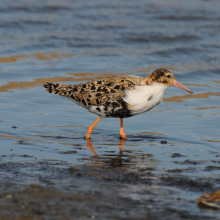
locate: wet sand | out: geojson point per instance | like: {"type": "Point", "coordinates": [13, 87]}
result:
{"type": "Point", "coordinates": [172, 154]}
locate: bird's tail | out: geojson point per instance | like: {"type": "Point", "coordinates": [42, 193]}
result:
{"type": "Point", "coordinates": [52, 88]}
{"type": "Point", "coordinates": [59, 89]}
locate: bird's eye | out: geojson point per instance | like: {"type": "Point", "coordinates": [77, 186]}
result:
{"type": "Point", "coordinates": [168, 76]}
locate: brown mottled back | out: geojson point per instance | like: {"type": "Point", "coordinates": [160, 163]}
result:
{"type": "Point", "coordinates": [96, 92]}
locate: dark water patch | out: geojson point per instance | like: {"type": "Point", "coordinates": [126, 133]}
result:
{"type": "Point", "coordinates": [61, 137]}
{"type": "Point", "coordinates": [140, 137]}
{"type": "Point", "coordinates": [109, 151]}
{"type": "Point", "coordinates": [53, 137]}
{"type": "Point", "coordinates": [215, 71]}
{"type": "Point", "coordinates": [187, 18]}
{"type": "Point", "coordinates": [8, 24]}
{"type": "Point", "coordinates": [79, 148]}
{"type": "Point", "coordinates": [177, 155]}
{"type": "Point", "coordinates": [23, 142]}
{"type": "Point", "coordinates": [128, 151]}
{"type": "Point", "coordinates": [35, 22]}
{"type": "Point", "coordinates": [204, 73]}
{"type": "Point", "coordinates": [195, 74]}
{"type": "Point", "coordinates": [38, 9]}
{"type": "Point", "coordinates": [193, 162]}
{"type": "Point", "coordinates": [77, 145]}
{"type": "Point", "coordinates": [211, 168]}
{"type": "Point", "coordinates": [90, 44]}
{"type": "Point", "coordinates": [210, 59]}
{"type": "Point", "coordinates": [68, 152]}
{"type": "Point", "coordinates": [175, 171]}
{"type": "Point", "coordinates": [216, 161]}
{"type": "Point", "coordinates": [107, 27]}
{"type": "Point", "coordinates": [115, 155]}
{"type": "Point", "coordinates": [186, 170]}
{"type": "Point", "coordinates": [178, 50]}
{"type": "Point", "coordinates": [147, 38]}
{"type": "Point", "coordinates": [15, 156]}
{"type": "Point", "coordinates": [25, 155]}
{"type": "Point", "coordinates": [166, 140]}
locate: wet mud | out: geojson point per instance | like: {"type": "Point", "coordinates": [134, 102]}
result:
{"type": "Point", "coordinates": [106, 187]}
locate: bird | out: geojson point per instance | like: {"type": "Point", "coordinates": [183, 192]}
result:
{"type": "Point", "coordinates": [118, 96]}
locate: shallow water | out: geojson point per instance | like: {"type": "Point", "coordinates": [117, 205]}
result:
{"type": "Point", "coordinates": [174, 149]}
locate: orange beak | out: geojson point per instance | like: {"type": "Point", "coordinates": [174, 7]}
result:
{"type": "Point", "coordinates": [177, 84]}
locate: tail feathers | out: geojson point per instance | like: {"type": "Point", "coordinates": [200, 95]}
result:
{"type": "Point", "coordinates": [50, 85]}
{"type": "Point", "coordinates": [59, 89]}
{"type": "Point", "coordinates": [52, 88]}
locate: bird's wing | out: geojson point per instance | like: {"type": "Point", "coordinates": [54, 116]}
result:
{"type": "Point", "coordinates": [95, 92]}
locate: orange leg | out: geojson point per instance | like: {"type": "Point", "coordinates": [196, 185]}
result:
{"type": "Point", "coordinates": [122, 133]}
{"type": "Point", "coordinates": [90, 129]}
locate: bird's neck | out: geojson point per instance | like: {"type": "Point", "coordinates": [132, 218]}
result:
{"type": "Point", "coordinates": [147, 81]}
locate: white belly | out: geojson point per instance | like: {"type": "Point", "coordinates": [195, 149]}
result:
{"type": "Point", "coordinates": [144, 98]}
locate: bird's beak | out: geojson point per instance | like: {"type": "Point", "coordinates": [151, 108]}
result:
{"type": "Point", "coordinates": [177, 84]}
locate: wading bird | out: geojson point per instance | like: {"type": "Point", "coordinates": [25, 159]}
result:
{"type": "Point", "coordinates": [118, 96]}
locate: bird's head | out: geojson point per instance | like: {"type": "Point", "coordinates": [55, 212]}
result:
{"type": "Point", "coordinates": [165, 77]}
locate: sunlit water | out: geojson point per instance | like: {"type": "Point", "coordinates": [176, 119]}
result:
{"type": "Point", "coordinates": [57, 41]}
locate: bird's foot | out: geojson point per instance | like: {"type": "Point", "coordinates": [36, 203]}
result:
{"type": "Point", "coordinates": [123, 135]}
{"type": "Point", "coordinates": [89, 132]}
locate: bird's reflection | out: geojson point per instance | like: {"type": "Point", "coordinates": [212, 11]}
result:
{"type": "Point", "coordinates": [110, 160]}
{"type": "Point", "coordinates": [89, 145]}
{"type": "Point", "coordinates": [121, 145]}
{"type": "Point", "coordinates": [124, 158]}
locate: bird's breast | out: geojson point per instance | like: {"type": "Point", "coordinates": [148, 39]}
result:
{"type": "Point", "coordinates": [143, 98]}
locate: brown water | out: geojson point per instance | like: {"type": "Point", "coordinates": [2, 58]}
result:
{"type": "Point", "coordinates": [171, 157]}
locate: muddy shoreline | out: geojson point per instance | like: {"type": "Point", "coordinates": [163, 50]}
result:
{"type": "Point", "coordinates": [116, 189]}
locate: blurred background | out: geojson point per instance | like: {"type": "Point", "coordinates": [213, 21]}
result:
{"type": "Point", "coordinates": [75, 41]}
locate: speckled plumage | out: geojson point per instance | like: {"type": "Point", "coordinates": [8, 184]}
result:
{"type": "Point", "coordinates": [103, 96]}
{"type": "Point", "coordinates": [118, 96]}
